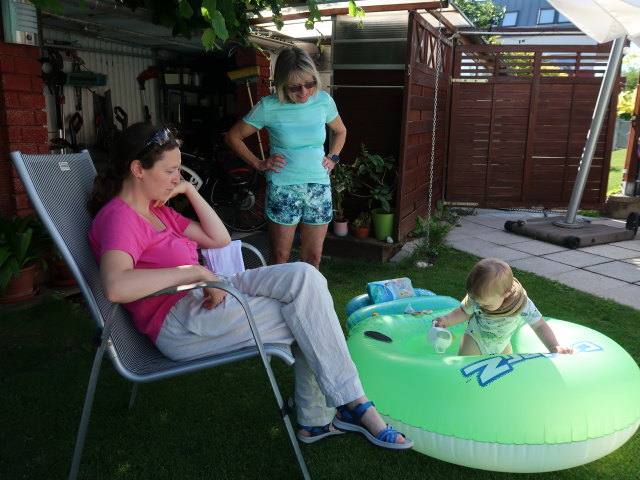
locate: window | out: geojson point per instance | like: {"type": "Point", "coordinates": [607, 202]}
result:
{"type": "Point", "coordinates": [510, 19]}
{"type": "Point", "coordinates": [546, 15]}
{"type": "Point", "coordinates": [563, 19]}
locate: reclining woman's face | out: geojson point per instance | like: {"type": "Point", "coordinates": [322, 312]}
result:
{"type": "Point", "coordinates": [159, 181]}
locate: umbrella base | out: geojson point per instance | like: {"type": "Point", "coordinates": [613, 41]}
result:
{"type": "Point", "coordinates": [554, 230]}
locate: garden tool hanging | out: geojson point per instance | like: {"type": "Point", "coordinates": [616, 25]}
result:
{"type": "Point", "coordinates": [55, 78]}
{"type": "Point", "coordinates": [148, 74]}
{"type": "Point", "coordinates": [76, 63]}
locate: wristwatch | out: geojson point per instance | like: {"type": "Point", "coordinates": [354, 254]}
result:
{"type": "Point", "coordinates": [334, 158]}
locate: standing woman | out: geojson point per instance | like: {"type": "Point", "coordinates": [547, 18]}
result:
{"type": "Point", "coordinates": [298, 168]}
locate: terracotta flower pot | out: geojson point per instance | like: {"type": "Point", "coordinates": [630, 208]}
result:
{"type": "Point", "coordinates": [21, 287]}
{"type": "Point", "coordinates": [62, 275]}
{"type": "Point", "coordinates": [360, 232]}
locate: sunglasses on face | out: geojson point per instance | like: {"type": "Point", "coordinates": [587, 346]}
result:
{"type": "Point", "coordinates": [297, 88]}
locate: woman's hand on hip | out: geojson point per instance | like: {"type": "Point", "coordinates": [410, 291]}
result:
{"type": "Point", "coordinates": [272, 162]}
{"type": "Point", "coordinates": [328, 164]}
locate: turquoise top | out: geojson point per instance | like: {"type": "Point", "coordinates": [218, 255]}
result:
{"type": "Point", "coordinates": [296, 131]}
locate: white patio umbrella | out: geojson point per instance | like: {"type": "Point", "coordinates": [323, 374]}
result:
{"type": "Point", "coordinates": [602, 20]}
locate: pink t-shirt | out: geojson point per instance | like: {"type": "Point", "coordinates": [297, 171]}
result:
{"type": "Point", "coordinates": [118, 227]}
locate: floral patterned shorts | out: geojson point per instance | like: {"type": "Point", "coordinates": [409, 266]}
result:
{"type": "Point", "coordinates": [308, 203]}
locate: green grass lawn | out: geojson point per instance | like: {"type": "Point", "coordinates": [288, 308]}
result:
{"type": "Point", "coordinates": [223, 423]}
{"type": "Point", "coordinates": [615, 173]}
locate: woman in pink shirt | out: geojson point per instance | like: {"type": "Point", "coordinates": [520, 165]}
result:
{"type": "Point", "coordinates": [143, 246]}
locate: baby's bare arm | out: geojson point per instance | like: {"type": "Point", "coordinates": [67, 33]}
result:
{"type": "Point", "coordinates": [453, 318]}
{"type": "Point", "coordinates": [546, 336]}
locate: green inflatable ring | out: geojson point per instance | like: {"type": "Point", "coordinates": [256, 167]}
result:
{"type": "Point", "coordinates": [525, 412]}
{"type": "Point", "coordinates": [398, 306]}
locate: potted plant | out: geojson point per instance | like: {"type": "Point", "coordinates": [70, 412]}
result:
{"type": "Point", "coordinates": [23, 243]}
{"type": "Point", "coordinates": [62, 275]}
{"type": "Point", "coordinates": [341, 182]}
{"type": "Point", "coordinates": [361, 225]}
{"type": "Point", "coordinates": [376, 177]}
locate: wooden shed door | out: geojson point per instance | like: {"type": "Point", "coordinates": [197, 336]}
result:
{"type": "Point", "coordinates": [519, 121]}
{"type": "Point", "coordinates": [414, 183]}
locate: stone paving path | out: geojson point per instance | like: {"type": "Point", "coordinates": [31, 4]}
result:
{"type": "Point", "coordinates": [608, 271]}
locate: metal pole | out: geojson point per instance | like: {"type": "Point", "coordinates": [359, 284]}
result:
{"type": "Point", "coordinates": [594, 130]}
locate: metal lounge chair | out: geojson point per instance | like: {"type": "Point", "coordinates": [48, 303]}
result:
{"type": "Point", "coordinates": [59, 187]}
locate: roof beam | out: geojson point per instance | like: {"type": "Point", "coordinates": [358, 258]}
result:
{"type": "Point", "coordinates": [345, 10]}
{"type": "Point", "coordinates": [441, 18]}
{"type": "Point", "coordinates": [509, 30]}
{"type": "Point", "coordinates": [109, 28]}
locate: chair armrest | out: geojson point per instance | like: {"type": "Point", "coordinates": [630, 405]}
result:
{"type": "Point", "coordinates": [231, 290]}
{"type": "Point", "coordinates": [193, 286]}
{"type": "Point", "coordinates": [257, 252]}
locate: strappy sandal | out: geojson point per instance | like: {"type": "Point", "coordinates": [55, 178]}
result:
{"type": "Point", "coordinates": [316, 433]}
{"type": "Point", "coordinates": [350, 421]}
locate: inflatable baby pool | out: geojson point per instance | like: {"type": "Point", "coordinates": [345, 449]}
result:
{"type": "Point", "coordinates": [524, 412]}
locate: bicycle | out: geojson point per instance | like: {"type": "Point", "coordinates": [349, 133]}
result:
{"type": "Point", "coordinates": [234, 189]}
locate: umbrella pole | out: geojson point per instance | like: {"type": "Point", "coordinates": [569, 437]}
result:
{"type": "Point", "coordinates": [594, 130]}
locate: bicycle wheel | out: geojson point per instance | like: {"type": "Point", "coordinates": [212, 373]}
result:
{"type": "Point", "coordinates": [240, 207]}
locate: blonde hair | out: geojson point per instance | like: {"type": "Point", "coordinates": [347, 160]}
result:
{"type": "Point", "coordinates": [293, 62]}
{"type": "Point", "coordinates": [489, 276]}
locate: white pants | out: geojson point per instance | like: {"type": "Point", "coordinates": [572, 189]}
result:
{"type": "Point", "coordinates": [290, 303]}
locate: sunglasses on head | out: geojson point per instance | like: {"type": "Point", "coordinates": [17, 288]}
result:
{"type": "Point", "coordinates": [159, 138]}
{"type": "Point", "coordinates": [297, 88]}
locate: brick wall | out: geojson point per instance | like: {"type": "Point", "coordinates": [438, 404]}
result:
{"type": "Point", "coordinates": [249, 57]}
{"type": "Point", "coordinates": [23, 121]}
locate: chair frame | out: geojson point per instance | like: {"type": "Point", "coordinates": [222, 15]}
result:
{"type": "Point", "coordinates": [58, 214]}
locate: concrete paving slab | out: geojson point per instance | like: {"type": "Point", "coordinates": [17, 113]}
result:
{"type": "Point", "coordinates": [618, 270]}
{"type": "Point", "coordinates": [487, 221]}
{"type": "Point", "coordinates": [576, 258]}
{"type": "Point", "coordinates": [536, 247]}
{"type": "Point", "coordinates": [509, 214]}
{"type": "Point", "coordinates": [609, 251]}
{"type": "Point", "coordinates": [630, 244]}
{"type": "Point", "coordinates": [541, 266]}
{"type": "Point", "coordinates": [607, 271]}
{"type": "Point", "coordinates": [454, 236]}
{"type": "Point", "coordinates": [502, 238]}
{"type": "Point", "coordinates": [468, 244]}
{"type": "Point", "coordinates": [504, 253]}
{"type": "Point", "coordinates": [472, 229]}
{"type": "Point", "coordinates": [633, 261]}
{"type": "Point", "coordinates": [485, 249]}
{"type": "Point", "coordinates": [590, 282]}
{"type": "Point", "coordinates": [628, 295]}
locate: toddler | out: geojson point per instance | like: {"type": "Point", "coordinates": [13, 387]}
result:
{"type": "Point", "coordinates": [495, 306]}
